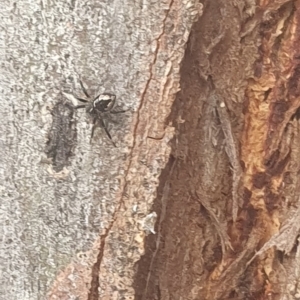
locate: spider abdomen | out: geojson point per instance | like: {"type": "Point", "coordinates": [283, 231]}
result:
{"type": "Point", "coordinates": [104, 102]}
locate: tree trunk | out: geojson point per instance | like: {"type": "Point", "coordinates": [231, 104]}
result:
{"type": "Point", "coordinates": [199, 200]}
{"type": "Point", "coordinates": [230, 212]}
{"type": "Point", "coordinates": [74, 214]}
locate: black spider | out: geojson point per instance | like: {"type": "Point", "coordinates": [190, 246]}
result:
{"type": "Point", "coordinates": [99, 109]}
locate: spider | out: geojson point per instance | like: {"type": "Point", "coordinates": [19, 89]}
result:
{"type": "Point", "coordinates": [99, 109]}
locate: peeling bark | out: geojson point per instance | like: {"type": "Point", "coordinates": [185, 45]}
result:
{"type": "Point", "coordinates": [75, 213]}
{"type": "Point", "coordinates": [230, 230]}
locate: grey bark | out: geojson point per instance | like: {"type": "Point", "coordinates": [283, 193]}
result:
{"type": "Point", "coordinates": [70, 209]}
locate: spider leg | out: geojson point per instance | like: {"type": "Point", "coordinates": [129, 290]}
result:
{"type": "Point", "coordinates": [82, 100]}
{"type": "Point", "coordinates": [84, 90]}
{"type": "Point", "coordinates": [106, 130]}
{"type": "Point", "coordinates": [80, 106]}
{"type": "Point", "coordinates": [117, 111]}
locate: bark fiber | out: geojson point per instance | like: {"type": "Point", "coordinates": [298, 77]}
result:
{"type": "Point", "coordinates": [229, 200]}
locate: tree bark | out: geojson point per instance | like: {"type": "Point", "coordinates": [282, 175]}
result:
{"type": "Point", "coordinates": [229, 225]}
{"type": "Point", "coordinates": [74, 214]}
{"type": "Point", "coordinates": [199, 200]}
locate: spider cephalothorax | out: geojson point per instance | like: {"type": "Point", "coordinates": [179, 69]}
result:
{"type": "Point", "coordinates": [99, 109]}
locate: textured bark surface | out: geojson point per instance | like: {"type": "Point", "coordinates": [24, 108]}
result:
{"type": "Point", "coordinates": [229, 197]}
{"type": "Point", "coordinates": [74, 215]}
{"type": "Point", "coordinates": [200, 199]}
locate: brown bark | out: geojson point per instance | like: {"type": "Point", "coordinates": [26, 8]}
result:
{"type": "Point", "coordinates": [74, 214]}
{"type": "Point", "coordinates": [229, 196]}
